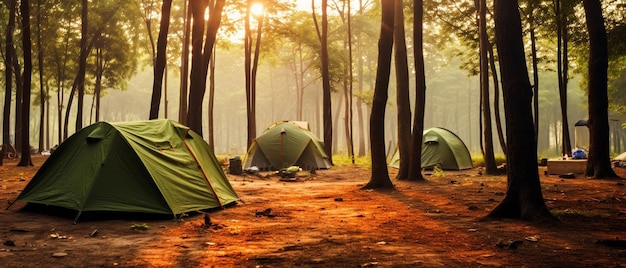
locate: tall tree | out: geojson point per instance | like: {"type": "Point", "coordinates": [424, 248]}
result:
{"type": "Point", "coordinates": [380, 175]}
{"type": "Point", "coordinates": [488, 153]}
{"type": "Point", "coordinates": [6, 115]}
{"type": "Point", "coordinates": [184, 65]}
{"type": "Point", "coordinates": [43, 96]}
{"type": "Point", "coordinates": [561, 12]}
{"type": "Point", "coordinates": [402, 88]}
{"type": "Point", "coordinates": [25, 160]}
{"type": "Point", "coordinates": [599, 163]}
{"type": "Point", "coordinates": [161, 59]}
{"type": "Point", "coordinates": [325, 70]}
{"type": "Point", "coordinates": [251, 67]}
{"type": "Point", "coordinates": [202, 48]}
{"type": "Point", "coordinates": [82, 64]}
{"type": "Point", "coordinates": [415, 165]}
{"type": "Point", "coordinates": [326, 89]}
{"type": "Point", "coordinates": [523, 197]}
{"type": "Point", "coordinates": [350, 95]}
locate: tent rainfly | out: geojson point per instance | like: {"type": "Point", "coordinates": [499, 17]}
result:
{"type": "Point", "coordinates": [156, 166]}
{"type": "Point", "coordinates": [284, 144]}
{"type": "Point", "coordinates": [440, 147]}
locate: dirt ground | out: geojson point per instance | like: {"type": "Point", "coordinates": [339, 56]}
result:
{"type": "Point", "coordinates": [326, 220]}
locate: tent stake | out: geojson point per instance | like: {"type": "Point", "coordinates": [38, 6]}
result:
{"type": "Point", "coordinates": [76, 218]}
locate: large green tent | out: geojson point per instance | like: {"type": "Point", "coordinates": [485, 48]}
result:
{"type": "Point", "coordinates": [156, 166]}
{"type": "Point", "coordinates": [284, 144]}
{"type": "Point", "coordinates": [440, 147]}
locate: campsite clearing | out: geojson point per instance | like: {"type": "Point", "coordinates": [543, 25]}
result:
{"type": "Point", "coordinates": [325, 220]}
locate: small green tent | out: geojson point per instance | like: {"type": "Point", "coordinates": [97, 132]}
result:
{"type": "Point", "coordinates": [156, 166]}
{"type": "Point", "coordinates": [284, 144]}
{"type": "Point", "coordinates": [440, 147]}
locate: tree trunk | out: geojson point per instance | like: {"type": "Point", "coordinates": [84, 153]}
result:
{"type": "Point", "coordinates": [211, 138]}
{"type": "Point", "coordinates": [98, 87]}
{"type": "Point", "coordinates": [253, 75]}
{"type": "Point", "coordinates": [247, 46]}
{"type": "Point", "coordinates": [380, 175]}
{"type": "Point", "coordinates": [496, 99]}
{"type": "Point", "coordinates": [359, 101]}
{"type": "Point", "coordinates": [201, 57]}
{"type": "Point", "coordinates": [490, 162]}
{"type": "Point", "coordinates": [82, 65]}
{"type": "Point", "coordinates": [25, 160]}
{"type": "Point", "coordinates": [184, 69]}
{"type": "Point", "coordinates": [415, 165]}
{"type": "Point", "coordinates": [161, 59]}
{"type": "Point", "coordinates": [562, 73]}
{"type": "Point", "coordinates": [402, 88]}
{"type": "Point", "coordinates": [523, 198]}
{"type": "Point", "coordinates": [599, 163]}
{"type": "Point", "coordinates": [535, 63]}
{"type": "Point", "coordinates": [326, 90]}
{"type": "Point", "coordinates": [336, 119]}
{"type": "Point", "coordinates": [8, 90]}
{"type": "Point", "coordinates": [19, 87]}
{"type": "Point", "coordinates": [350, 116]}
{"type": "Point", "coordinates": [197, 81]}
{"type": "Point", "coordinates": [42, 94]}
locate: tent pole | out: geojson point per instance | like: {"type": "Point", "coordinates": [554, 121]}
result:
{"type": "Point", "coordinates": [202, 169]}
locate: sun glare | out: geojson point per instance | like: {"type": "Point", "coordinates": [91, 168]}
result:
{"type": "Point", "coordinates": [256, 9]}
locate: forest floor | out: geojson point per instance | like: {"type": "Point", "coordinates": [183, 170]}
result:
{"type": "Point", "coordinates": [326, 220]}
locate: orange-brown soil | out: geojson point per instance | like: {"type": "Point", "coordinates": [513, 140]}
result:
{"type": "Point", "coordinates": [326, 220]}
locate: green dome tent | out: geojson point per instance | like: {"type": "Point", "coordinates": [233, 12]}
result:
{"type": "Point", "coordinates": [284, 144]}
{"type": "Point", "coordinates": [155, 166]}
{"type": "Point", "coordinates": [440, 147]}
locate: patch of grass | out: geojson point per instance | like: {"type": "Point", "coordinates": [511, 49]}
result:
{"type": "Point", "coordinates": [344, 160]}
{"type": "Point", "coordinates": [139, 226]}
{"type": "Point", "coordinates": [438, 172]}
{"type": "Point", "coordinates": [569, 212]}
{"type": "Point", "coordinates": [479, 161]}
{"type": "Point", "coordinates": [222, 159]}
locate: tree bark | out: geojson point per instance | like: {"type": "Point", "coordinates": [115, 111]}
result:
{"type": "Point", "coordinates": [599, 163]}
{"type": "Point", "coordinates": [402, 88]}
{"type": "Point", "coordinates": [380, 175]}
{"type": "Point", "coordinates": [161, 59]}
{"type": "Point", "coordinates": [523, 197]}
